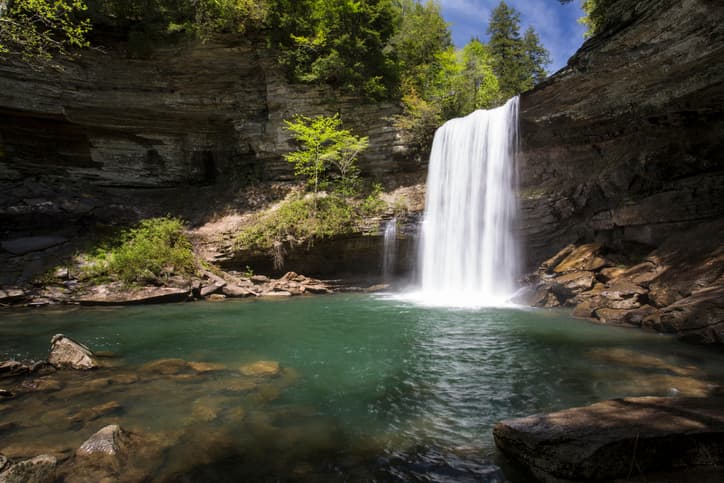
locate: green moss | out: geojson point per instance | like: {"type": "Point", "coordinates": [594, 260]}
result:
{"type": "Point", "coordinates": [153, 249]}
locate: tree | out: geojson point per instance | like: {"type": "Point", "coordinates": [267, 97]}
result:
{"type": "Point", "coordinates": [338, 42]}
{"type": "Point", "coordinates": [519, 63]}
{"type": "Point", "coordinates": [323, 143]}
{"type": "Point", "coordinates": [536, 57]}
{"type": "Point", "coordinates": [35, 30]}
{"type": "Point", "coordinates": [596, 15]}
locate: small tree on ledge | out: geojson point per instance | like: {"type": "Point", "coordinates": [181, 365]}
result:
{"type": "Point", "coordinates": [323, 144]}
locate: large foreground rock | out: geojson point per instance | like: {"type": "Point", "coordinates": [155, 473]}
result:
{"type": "Point", "coordinates": [619, 438]}
{"type": "Point", "coordinates": [68, 354]}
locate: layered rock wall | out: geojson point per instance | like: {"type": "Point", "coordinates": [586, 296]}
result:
{"type": "Point", "coordinates": [193, 115]}
{"type": "Point", "coordinates": [624, 146]}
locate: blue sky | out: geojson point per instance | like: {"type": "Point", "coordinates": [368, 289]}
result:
{"type": "Point", "coordinates": [556, 24]}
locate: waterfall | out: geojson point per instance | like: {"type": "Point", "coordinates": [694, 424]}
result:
{"type": "Point", "coordinates": [468, 254]}
{"type": "Point", "coordinates": [389, 255]}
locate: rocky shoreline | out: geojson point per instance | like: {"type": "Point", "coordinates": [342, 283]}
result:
{"type": "Point", "coordinates": [211, 286]}
{"type": "Point", "coordinates": [677, 288]}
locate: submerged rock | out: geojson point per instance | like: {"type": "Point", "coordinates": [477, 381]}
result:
{"type": "Point", "coordinates": [40, 469]}
{"type": "Point", "coordinates": [91, 414]}
{"type": "Point", "coordinates": [261, 369]}
{"type": "Point", "coordinates": [166, 367]}
{"type": "Point", "coordinates": [617, 439]}
{"type": "Point", "coordinates": [68, 354]}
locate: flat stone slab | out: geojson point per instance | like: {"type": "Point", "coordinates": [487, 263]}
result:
{"type": "Point", "coordinates": [619, 438]}
{"type": "Point", "coordinates": [145, 295]}
{"type": "Point", "coordinates": [21, 246]}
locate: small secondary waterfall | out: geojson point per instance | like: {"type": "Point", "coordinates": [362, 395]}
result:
{"type": "Point", "coordinates": [468, 254]}
{"type": "Point", "coordinates": [389, 255]}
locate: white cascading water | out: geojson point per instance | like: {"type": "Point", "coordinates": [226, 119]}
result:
{"type": "Point", "coordinates": [389, 255]}
{"type": "Point", "coordinates": [468, 252]}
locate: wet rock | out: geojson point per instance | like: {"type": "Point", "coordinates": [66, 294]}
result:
{"type": "Point", "coordinates": [236, 291]}
{"type": "Point", "coordinates": [582, 258]}
{"type": "Point", "coordinates": [698, 318]}
{"type": "Point", "coordinates": [68, 354]}
{"type": "Point", "coordinates": [203, 367]}
{"type": "Point", "coordinates": [317, 289]}
{"type": "Point", "coordinates": [13, 369]}
{"type": "Point", "coordinates": [261, 369]}
{"type": "Point", "coordinates": [584, 310]}
{"type": "Point", "coordinates": [43, 384]}
{"type": "Point", "coordinates": [165, 367]}
{"type": "Point", "coordinates": [109, 441]}
{"type": "Point", "coordinates": [6, 394]}
{"type": "Point", "coordinates": [611, 316]}
{"type": "Point", "coordinates": [606, 440]}
{"type": "Point", "coordinates": [208, 290]}
{"type": "Point", "coordinates": [644, 316]}
{"type": "Point", "coordinates": [216, 297]}
{"type": "Point", "coordinates": [3, 462]}
{"type": "Point", "coordinates": [91, 414]}
{"type": "Point", "coordinates": [111, 295]}
{"type": "Point", "coordinates": [11, 295]}
{"type": "Point", "coordinates": [40, 469]}
{"type": "Point", "coordinates": [630, 358]}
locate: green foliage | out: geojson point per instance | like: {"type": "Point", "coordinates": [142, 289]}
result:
{"type": "Point", "coordinates": [324, 145]}
{"type": "Point", "coordinates": [36, 30]}
{"type": "Point", "coordinates": [338, 42]}
{"type": "Point", "coordinates": [155, 248]}
{"type": "Point", "coordinates": [297, 221]}
{"type": "Point", "coordinates": [596, 15]}
{"type": "Point", "coordinates": [518, 62]}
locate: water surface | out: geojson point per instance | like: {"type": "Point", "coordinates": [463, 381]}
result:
{"type": "Point", "coordinates": [372, 387]}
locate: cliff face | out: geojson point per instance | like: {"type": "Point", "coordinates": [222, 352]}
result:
{"type": "Point", "coordinates": [624, 150]}
{"type": "Point", "coordinates": [624, 146]}
{"type": "Point", "coordinates": [112, 139]}
{"type": "Point", "coordinates": [192, 116]}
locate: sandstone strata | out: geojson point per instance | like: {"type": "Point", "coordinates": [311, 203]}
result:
{"type": "Point", "coordinates": [623, 146]}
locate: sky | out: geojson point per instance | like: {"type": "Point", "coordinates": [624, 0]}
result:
{"type": "Point", "coordinates": [556, 24]}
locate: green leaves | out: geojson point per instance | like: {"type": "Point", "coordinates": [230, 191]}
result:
{"type": "Point", "coordinates": [519, 63]}
{"type": "Point", "coordinates": [35, 30]}
{"type": "Point", "coordinates": [323, 144]}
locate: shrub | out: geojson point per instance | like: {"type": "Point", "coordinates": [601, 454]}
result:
{"type": "Point", "coordinates": [155, 248]}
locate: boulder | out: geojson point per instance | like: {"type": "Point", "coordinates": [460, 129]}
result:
{"type": "Point", "coordinates": [277, 293]}
{"type": "Point", "coordinates": [211, 289]}
{"type": "Point", "coordinates": [316, 289]}
{"type": "Point", "coordinates": [66, 353]}
{"type": "Point", "coordinates": [21, 246]}
{"type": "Point", "coordinates": [3, 462]}
{"type": "Point", "coordinates": [40, 469]}
{"type": "Point", "coordinates": [619, 438]}
{"type": "Point", "coordinates": [698, 318]}
{"type": "Point", "coordinates": [257, 279]}
{"type": "Point", "coordinates": [582, 258]}
{"type": "Point", "coordinates": [236, 291]}
{"type": "Point", "coordinates": [109, 441]}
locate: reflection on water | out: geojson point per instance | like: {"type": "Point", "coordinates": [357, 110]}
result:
{"type": "Point", "coordinates": [368, 388]}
